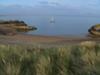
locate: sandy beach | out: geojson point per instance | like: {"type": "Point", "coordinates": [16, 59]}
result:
{"type": "Point", "coordinates": [44, 40]}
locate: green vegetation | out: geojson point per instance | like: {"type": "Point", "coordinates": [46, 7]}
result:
{"type": "Point", "coordinates": [83, 59]}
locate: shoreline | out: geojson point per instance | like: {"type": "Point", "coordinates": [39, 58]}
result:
{"type": "Point", "coordinates": [44, 40]}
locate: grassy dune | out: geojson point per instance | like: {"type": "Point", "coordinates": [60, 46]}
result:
{"type": "Point", "coordinates": [83, 59]}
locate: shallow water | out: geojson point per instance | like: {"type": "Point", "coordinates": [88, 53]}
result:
{"type": "Point", "coordinates": [62, 25]}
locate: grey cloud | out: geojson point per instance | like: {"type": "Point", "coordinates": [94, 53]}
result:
{"type": "Point", "coordinates": [48, 3]}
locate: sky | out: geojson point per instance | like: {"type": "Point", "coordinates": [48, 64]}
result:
{"type": "Point", "coordinates": [95, 4]}
{"type": "Point", "coordinates": [81, 5]}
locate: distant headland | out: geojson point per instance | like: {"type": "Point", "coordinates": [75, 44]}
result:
{"type": "Point", "coordinates": [12, 27]}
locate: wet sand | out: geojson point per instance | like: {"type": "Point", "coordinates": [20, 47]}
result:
{"type": "Point", "coordinates": [46, 40]}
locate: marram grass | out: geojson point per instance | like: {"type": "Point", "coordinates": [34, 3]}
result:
{"type": "Point", "coordinates": [83, 59]}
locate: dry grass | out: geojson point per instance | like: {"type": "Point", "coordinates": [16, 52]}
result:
{"type": "Point", "coordinates": [70, 60]}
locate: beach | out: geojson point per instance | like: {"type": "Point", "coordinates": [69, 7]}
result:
{"type": "Point", "coordinates": [44, 40]}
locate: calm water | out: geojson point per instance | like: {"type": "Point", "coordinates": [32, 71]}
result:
{"type": "Point", "coordinates": [63, 25]}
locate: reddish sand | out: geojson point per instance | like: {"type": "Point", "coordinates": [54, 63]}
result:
{"type": "Point", "coordinates": [45, 39]}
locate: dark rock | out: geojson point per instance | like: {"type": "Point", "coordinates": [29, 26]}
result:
{"type": "Point", "coordinates": [12, 27]}
{"type": "Point", "coordinates": [95, 30]}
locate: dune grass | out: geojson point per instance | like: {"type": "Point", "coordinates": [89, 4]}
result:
{"type": "Point", "coordinates": [83, 59]}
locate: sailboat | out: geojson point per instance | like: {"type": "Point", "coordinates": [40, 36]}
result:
{"type": "Point", "coordinates": [52, 20]}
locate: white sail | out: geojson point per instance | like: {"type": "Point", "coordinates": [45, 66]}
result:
{"type": "Point", "coordinates": [52, 20]}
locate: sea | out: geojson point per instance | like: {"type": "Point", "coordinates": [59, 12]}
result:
{"type": "Point", "coordinates": [56, 25]}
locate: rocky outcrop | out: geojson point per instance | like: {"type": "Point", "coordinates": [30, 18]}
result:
{"type": "Point", "coordinates": [95, 30]}
{"type": "Point", "coordinates": [7, 31]}
{"type": "Point", "coordinates": [12, 27]}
